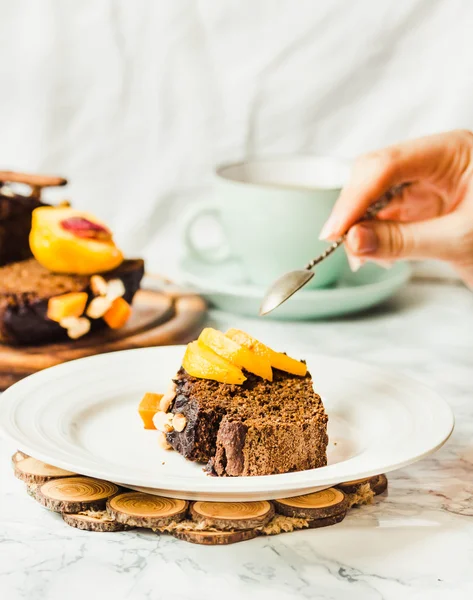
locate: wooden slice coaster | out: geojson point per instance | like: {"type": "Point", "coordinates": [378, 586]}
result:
{"type": "Point", "coordinates": [94, 521]}
{"type": "Point", "coordinates": [380, 486]}
{"type": "Point", "coordinates": [215, 538]}
{"type": "Point", "coordinates": [75, 494]}
{"type": "Point", "coordinates": [19, 455]}
{"type": "Point", "coordinates": [31, 489]}
{"type": "Point", "coordinates": [31, 470]}
{"type": "Point", "coordinates": [319, 505]}
{"type": "Point", "coordinates": [352, 487]}
{"type": "Point", "coordinates": [145, 510]}
{"type": "Point", "coordinates": [232, 515]}
{"type": "Point", "coordinates": [327, 521]}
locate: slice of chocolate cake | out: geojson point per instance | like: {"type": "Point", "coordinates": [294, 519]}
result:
{"type": "Point", "coordinates": [257, 428]}
{"type": "Point", "coordinates": [16, 210]}
{"type": "Point", "coordinates": [26, 287]}
{"type": "Point", "coordinates": [15, 225]}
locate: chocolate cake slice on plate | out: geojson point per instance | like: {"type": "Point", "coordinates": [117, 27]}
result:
{"type": "Point", "coordinates": [16, 210]}
{"type": "Point", "coordinates": [257, 428]}
{"type": "Point", "coordinates": [26, 287]}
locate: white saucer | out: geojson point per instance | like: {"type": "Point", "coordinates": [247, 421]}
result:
{"type": "Point", "coordinates": [82, 416]}
{"type": "Point", "coordinates": [224, 286]}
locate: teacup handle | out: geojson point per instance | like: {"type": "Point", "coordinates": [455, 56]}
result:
{"type": "Point", "coordinates": [212, 255]}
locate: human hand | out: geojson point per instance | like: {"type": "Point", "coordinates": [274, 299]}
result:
{"type": "Point", "coordinates": [431, 218]}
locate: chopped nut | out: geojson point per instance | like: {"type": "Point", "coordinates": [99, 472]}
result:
{"type": "Point", "coordinates": [179, 422]}
{"type": "Point", "coordinates": [98, 307]}
{"type": "Point", "coordinates": [76, 326]}
{"type": "Point", "coordinates": [165, 403]}
{"type": "Point", "coordinates": [168, 397]}
{"type": "Point", "coordinates": [162, 441]}
{"type": "Point", "coordinates": [163, 422]}
{"type": "Point", "coordinates": [115, 289]}
{"type": "Point", "coordinates": [6, 191]}
{"type": "Point", "coordinates": [98, 285]}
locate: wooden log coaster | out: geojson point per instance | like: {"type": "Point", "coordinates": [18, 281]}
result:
{"type": "Point", "coordinates": [378, 484]}
{"type": "Point", "coordinates": [319, 505]}
{"type": "Point", "coordinates": [31, 470]}
{"type": "Point", "coordinates": [232, 515]}
{"type": "Point", "coordinates": [19, 455]}
{"type": "Point", "coordinates": [215, 538]}
{"type": "Point", "coordinates": [327, 521]}
{"type": "Point", "coordinates": [93, 521]}
{"type": "Point", "coordinates": [31, 489]}
{"type": "Point", "coordinates": [138, 509]}
{"type": "Point", "coordinates": [75, 494]}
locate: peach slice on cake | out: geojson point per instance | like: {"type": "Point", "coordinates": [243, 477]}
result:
{"type": "Point", "coordinates": [238, 355]}
{"type": "Point", "coordinates": [65, 240]}
{"type": "Point", "coordinates": [202, 362]}
{"type": "Point", "coordinates": [278, 360]}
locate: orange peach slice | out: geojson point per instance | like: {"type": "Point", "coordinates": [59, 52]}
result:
{"type": "Point", "coordinates": [278, 360]}
{"type": "Point", "coordinates": [200, 361]}
{"type": "Point", "coordinates": [67, 305]}
{"type": "Point", "coordinates": [148, 407]}
{"type": "Point", "coordinates": [65, 240]}
{"type": "Point", "coordinates": [238, 355]}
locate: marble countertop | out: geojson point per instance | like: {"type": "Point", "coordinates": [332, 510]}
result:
{"type": "Point", "coordinates": [415, 543]}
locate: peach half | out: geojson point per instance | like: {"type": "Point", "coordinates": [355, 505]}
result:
{"type": "Point", "coordinates": [65, 240]}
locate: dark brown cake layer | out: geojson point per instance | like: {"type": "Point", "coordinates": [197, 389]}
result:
{"type": "Point", "coordinates": [258, 428]}
{"type": "Point", "coordinates": [26, 286]}
{"type": "Point", "coordinates": [15, 225]}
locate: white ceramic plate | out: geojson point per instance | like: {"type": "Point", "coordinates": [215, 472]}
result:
{"type": "Point", "coordinates": [82, 416]}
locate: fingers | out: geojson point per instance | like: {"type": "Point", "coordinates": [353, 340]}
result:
{"type": "Point", "coordinates": [438, 158]}
{"type": "Point", "coordinates": [387, 240]}
{"type": "Point", "coordinates": [416, 204]}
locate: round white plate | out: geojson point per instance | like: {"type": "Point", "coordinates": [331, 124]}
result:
{"type": "Point", "coordinates": [82, 416]}
{"type": "Point", "coordinates": [225, 287]}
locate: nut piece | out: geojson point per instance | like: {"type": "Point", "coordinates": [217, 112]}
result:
{"type": "Point", "coordinates": [115, 289]}
{"type": "Point", "coordinates": [98, 307]}
{"type": "Point", "coordinates": [162, 441]}
{"type": "Point", "coordinates": [76, 326]}
{"type": "Point", "coordinates": [98, 285]}
{"type": "Point", "coordinates": [168, 397]}
{"type": "Point", "coordinates": [6, 191]}
{"type": "Point", "coordinates": [163, 421]}
{"type": "Point", "coordinates": [179, 422]}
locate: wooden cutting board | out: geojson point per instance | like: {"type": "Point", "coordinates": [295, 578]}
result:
{"type": "Point", "coordinates": [158, 319]}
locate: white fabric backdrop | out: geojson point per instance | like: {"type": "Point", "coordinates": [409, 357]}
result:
{"type": "Point", "coordinates": [135, 101]}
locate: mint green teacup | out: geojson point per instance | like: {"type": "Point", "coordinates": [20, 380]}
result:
{"type": "Point", "coordinates": [271, 213]}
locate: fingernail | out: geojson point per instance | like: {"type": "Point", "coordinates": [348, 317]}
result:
{"type": "Point", "coordinates": [362, 240]}
{"type": "Point", "coordinates": [330, 229]}
{"type": "Point", "coordinates": [355, 262]}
